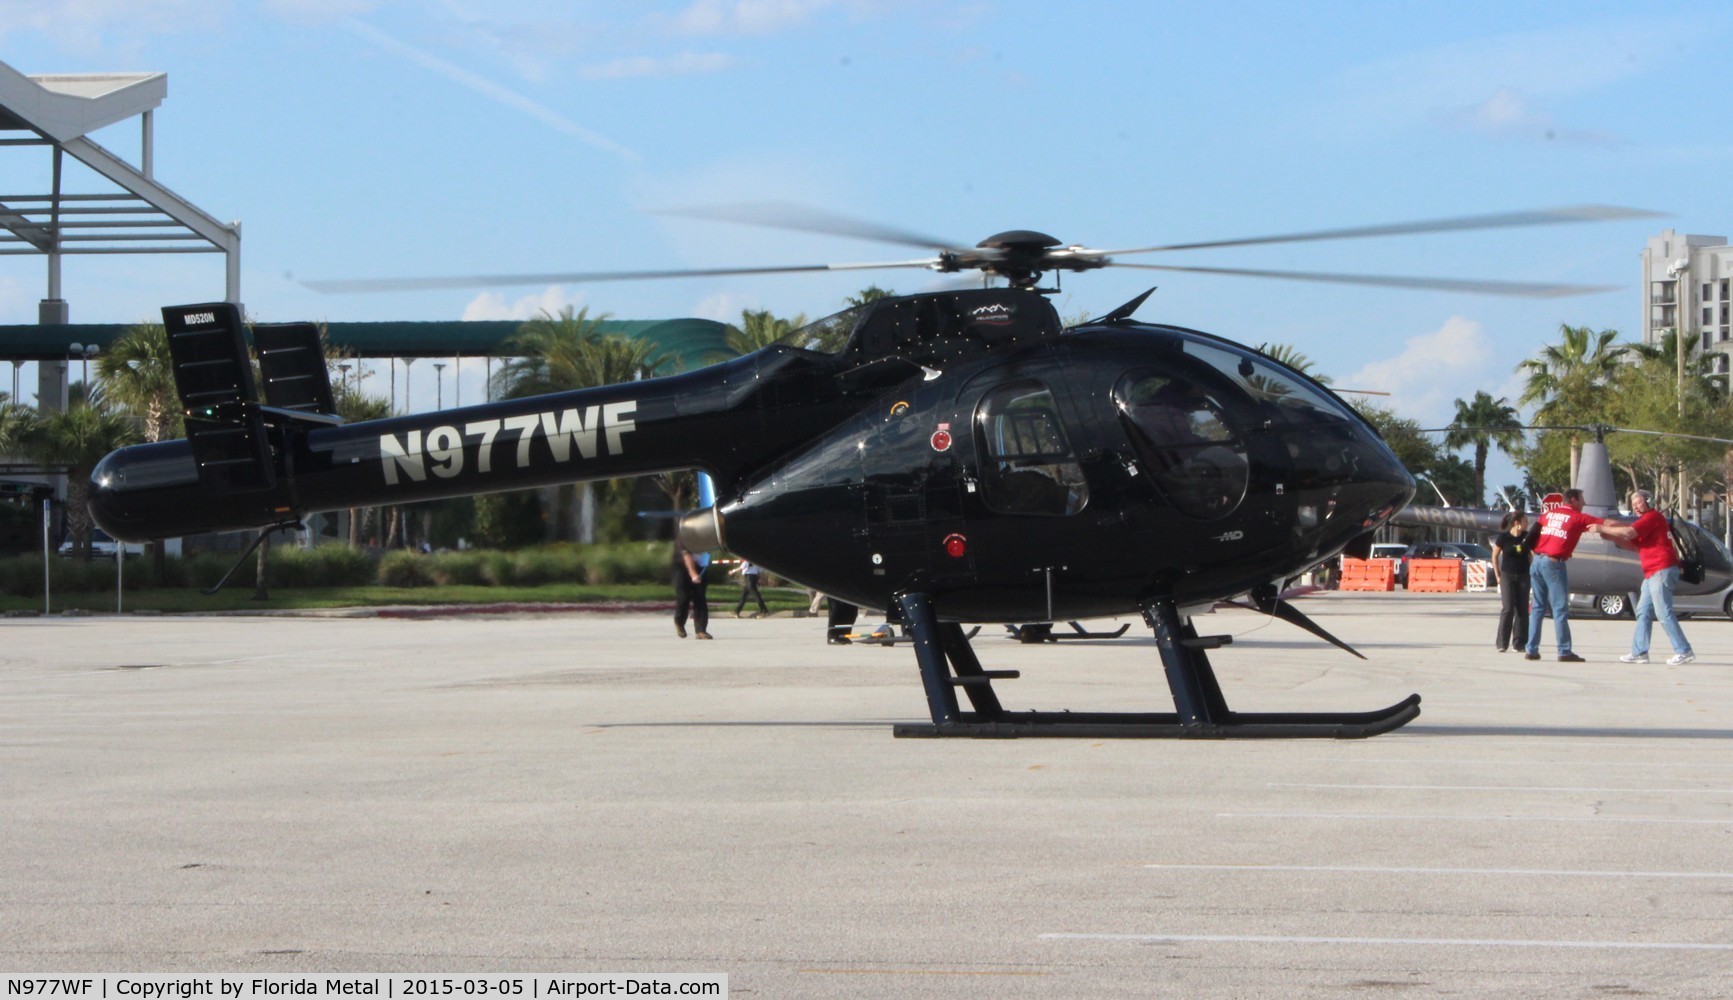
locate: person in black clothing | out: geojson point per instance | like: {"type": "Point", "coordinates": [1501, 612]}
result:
{"type": "Point", "coordinates": [690, 592]}
{"type": "Point", "coordinates": [1510, 554]}
{"type": "Point", "coordinates": [749, 574]}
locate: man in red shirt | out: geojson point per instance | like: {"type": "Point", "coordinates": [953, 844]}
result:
{"type": "Point", "coordinates": [1652, 537]}
{"type": "Point", "coordinates": [1559, 530]}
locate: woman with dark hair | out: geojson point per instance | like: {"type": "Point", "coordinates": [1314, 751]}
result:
{"type": "Point", "coordinates": [1510, 552]}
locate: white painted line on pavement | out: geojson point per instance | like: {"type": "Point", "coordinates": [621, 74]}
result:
{"type": "Point", "coordinates": [1429, 817]}
{"type": "Point", "coordinates": [1497, 788]}
{"type": "Point", "coordinates": [1397, 870]}
{"type": "Point", "coordinates": [1421, 942]}
{"type": "Point", "coordinates": [1695, 765]}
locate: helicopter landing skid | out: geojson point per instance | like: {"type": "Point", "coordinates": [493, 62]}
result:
{"type": "Point", "coordinates": [947, 663]}
{"type": "Point", "coordinates": [1043, 632]}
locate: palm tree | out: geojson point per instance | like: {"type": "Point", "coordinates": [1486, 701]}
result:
{"type": "Point", "coordinates": [1484, 422]}
{"type": "Point", "coordinates": [77, 437]}
{"type": "Point", "coordinates": [569, 351]}
{"type": "Point", "coordinates": [138, 373]}
{"type": "Point", "coordinates": [1288, 355]}
{"type": "Point", "coordinates": [1663, 356]}
{"type": "Point", "coordinates": [1566, 380]}
{"type": "Point", "coordinates": [759, 329]}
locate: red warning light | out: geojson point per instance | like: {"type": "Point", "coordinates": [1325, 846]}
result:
{"type": "Point", "coordinates": [956, 546]}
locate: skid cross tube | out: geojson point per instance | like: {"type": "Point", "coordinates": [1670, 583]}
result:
{"type": "Point", "coordinates": [947, 663]}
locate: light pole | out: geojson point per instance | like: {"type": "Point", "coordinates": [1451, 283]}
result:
{"type": "Point", "coordinates": [343, 375]}
{"type": "Point", "coordinates": [16, 364]}
{"type": "Point", "coordinates": [439, 385]}
{"type": "Point", "coordinates": [406, 363]}
{"type": "Point", "coordinates": [1679, 271]}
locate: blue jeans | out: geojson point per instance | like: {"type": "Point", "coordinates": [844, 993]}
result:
{"type": "Point", "coordinates": [1552, 589]}
{"type": "Point", "coordinates": [1656, 603]}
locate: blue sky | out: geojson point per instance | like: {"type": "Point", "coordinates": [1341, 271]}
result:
{"type": "Point", "coordinates": [369, 138]}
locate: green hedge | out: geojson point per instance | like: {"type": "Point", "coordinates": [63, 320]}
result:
{"type": "Point", "coordinates": [620, 562]}
{"type": "Point", "coordinates": [340, 566]}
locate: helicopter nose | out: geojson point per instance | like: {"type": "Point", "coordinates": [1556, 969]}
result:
{"type": "Point", "coordinates": [147, 491]}
{"type": "Point", "coordinates": [106, 508]}
{"type": "Point", "coordinates": [1382, 484]}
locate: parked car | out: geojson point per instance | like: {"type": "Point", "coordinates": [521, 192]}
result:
{"type": "Point", "coordinates": [1465, 551]}
{"type": "Point", "coordinates": [101, 546]}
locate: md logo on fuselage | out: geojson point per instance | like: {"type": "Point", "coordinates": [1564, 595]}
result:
{"type": "Point", "coordinates": [443, 451]}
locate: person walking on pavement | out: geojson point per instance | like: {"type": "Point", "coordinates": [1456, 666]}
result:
{"type": "Point", "coordinates": [1652, 538]}
{"type": "Point", "coordinates": [1510, 558]}
{"type": "Point", "coordinates": [1560, 528]}
{"type": "Point", "coordinates": [690, 591]}
{"type": "Point", "coordinates": [749, 574]}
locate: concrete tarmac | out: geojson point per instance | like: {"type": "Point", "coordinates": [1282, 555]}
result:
{"type": "Point", "coordinates": [587, 793]}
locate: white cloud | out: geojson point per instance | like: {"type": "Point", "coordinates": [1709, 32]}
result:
{"type": "Point", "coordinates": [313, 12]}
{"type": "Point", "coordinates": [1432, 371]}
{"type": "Point", "coordinates": [680, 64]}
{"type": "Point", "coordinates": [88, 27]}
{"type": "Point", "coordinates": [724, 307]}
{"type": "Point", "coordinates": [493, 305]}
{"type": "Point", "coordinates": [750, 17]}
{"type": "Point", "coordinates": [494, 91]}
{"type": "Point", "coordinates": [1453, 80]}
{"type": "Point", "coordinates": [1506, 115]}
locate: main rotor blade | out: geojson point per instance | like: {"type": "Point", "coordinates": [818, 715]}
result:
{"type": "Point", "coordinates": [1542, 217]}
{"type": "Point", "coordinates": [801, 218]}
{"type": "Point", "coordinates": [1671, 434]}
{"type": "Point", "coordinates": [343, 286]}
{"type": "Point", "coordinates": [1483, 287]}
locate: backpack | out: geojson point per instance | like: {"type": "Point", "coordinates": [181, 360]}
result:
{"type": "Point", "coordinates": [1690, 555]}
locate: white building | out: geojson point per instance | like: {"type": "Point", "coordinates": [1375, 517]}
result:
{"type": "Point", "coordinates": [1686, 284]}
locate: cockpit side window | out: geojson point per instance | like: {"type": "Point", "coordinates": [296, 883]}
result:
{"type": "Point", "coordinates": [1183, 443]}
{"type": "Point", "coordinates": [1027, 465]}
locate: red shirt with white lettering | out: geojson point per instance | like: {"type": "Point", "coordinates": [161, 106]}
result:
{"type": "Point", "coordinates": [1559, 530]}
{"type": "Point", "coordinates": [1654, 542]}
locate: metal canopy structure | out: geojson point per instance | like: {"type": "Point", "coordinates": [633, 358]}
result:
{"type": "Point", "coordinates": [691, 343]}
{"type": "Point", "coordinates": [138, 215]}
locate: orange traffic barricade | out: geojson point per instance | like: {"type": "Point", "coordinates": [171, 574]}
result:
{"type": "Point", "coordinates": [1368, 574]}
{"type": "Point", "coordinates": [1435, 575]}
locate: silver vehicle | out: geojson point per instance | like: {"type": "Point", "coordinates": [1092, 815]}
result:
{"type": "Point", "coordinates": [1466, 551]}
{"type": "Point", "coordinates": [1620, 604]}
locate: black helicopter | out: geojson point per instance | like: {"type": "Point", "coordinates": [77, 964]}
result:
{"type": "Point", "coordinates": [964, 458]}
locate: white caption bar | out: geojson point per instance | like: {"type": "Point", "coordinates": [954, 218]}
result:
{"type": "Point", "coordinates": [390, 987]}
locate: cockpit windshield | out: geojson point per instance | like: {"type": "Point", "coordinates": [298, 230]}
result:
{"type": "Point", "coordinates": [1184, 443]}
{"type": "Point", "coordinates": [1288, 399]}
{"type": "Point", "coordinates": [830, 334]}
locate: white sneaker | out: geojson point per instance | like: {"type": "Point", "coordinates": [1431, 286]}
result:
{"type": "Point", "coordinates": [1634, 658]}
{"type": "Point", "coordinates": [1680, 659]}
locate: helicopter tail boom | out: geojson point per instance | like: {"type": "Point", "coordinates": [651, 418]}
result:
{"type": "Point", "coordinates": [250, 465]}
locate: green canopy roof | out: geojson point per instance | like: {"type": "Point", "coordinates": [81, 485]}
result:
{"type": "Point", "coordinates": [694, 342]}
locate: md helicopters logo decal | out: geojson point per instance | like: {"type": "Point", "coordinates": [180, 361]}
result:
{"type": "Point", "coordinates": [997, 314]}
{"type": "Point", "coordinates": [445, 449]}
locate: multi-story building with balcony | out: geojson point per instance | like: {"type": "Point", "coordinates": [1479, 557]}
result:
{"type": "Point", "coordinates": [1687, 282]}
